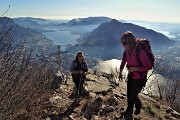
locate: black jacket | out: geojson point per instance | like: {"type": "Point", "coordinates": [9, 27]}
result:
{"type": "Point", "coordinates": [77, 66]}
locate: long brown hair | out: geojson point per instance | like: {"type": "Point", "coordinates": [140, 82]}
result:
{"type": "Point", "coordinates": [130, 38]}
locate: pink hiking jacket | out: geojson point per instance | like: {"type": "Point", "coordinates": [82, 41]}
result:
{"type": "Point", "coordinates": [132, 61]}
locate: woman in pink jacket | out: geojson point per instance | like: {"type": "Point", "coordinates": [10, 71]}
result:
{"type": "Point", "coordinates": [137, 74]}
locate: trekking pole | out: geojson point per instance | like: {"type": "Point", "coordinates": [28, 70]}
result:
{"type": "Point", "coordinates": [86, 81]}
{"type": "Point", "coordinates": [78, 89]}
{"type": "Point", "coordinates": [59, 74]}
{"type": "Point", "coordinates": [153, 70]}
{"type": "Point", "coordinates": [83, 79]}
{"type": "Point", "coordinates": [59, 57]}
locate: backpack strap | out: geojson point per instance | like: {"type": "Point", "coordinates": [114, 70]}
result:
{"type": "Point", "coordinates": [138, 49]}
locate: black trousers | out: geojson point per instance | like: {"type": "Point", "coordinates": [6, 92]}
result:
{"type": "Point", "coordinates": [134, 87]}
{"type": "Point", "coordinates": [79, 81]}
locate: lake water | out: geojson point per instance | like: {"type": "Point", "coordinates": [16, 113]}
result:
{"type": "Point", "coordinates": [62, 38]}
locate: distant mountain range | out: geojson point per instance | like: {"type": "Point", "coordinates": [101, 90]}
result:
{"type": "Point", "coordinates": [39, 24]}
{"type": "Point", "coordinates": [104, 41]}
{"type": "Point", "coordinates": [29, 19]}
{"type": "Point", "coordinates": [87, 21]}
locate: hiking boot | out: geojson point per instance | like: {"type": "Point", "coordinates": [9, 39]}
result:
{"type": "Point", "coordinates": [137, 111]}
{"type": "Point", "coordinates": [77, 101]}
{"type": "Point", "coordinates": [128, 117]}
{"type": "Point", "coordinates": [127, 113]}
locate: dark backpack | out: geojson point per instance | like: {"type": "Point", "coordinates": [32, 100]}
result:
{"type": "Point", "coordinates": [145, 45]}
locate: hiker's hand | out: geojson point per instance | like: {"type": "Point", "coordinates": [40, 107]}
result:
{"type": "Point", "coordinates": [132, 69]}
{"type": "Point", "coordinates": [80, 72]}
{"type": "Point", "coordinates": [84, 73]}
{"type": "Point", "coordinates": [120, 76]}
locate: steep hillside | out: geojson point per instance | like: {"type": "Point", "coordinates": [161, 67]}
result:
{"type": "Point", "coordinates": [17, 30]}
{"type": "Point", "coordinates": [19, 33]}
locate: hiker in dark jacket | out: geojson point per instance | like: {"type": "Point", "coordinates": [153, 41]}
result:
{"type": "Point", "coordinates": [136, 74]}
{"type": "Point", "coordinates": [79, 71]}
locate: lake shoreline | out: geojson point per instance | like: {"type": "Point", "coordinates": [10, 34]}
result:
{"type": "Point", "coordinates": [62, 38]}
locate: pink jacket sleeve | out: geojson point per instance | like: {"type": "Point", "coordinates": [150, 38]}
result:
{"type": "Point", "coordinates": [123, 62]}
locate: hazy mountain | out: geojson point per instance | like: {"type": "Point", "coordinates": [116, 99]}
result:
{"type": "Point", "coordinates": [104, 41]}
{"type": "Point", "coordinates": [18, 33]}
{"type": "Point", "coordinates": [32, 23]}
{"type": "Point", "coordinates": [16, 30]}
{"type": "Point", "coordinates": [39, 24]}
{"type": "Point", "coordinates": [38, 20]}
{"type": "Point", "coordinates": [87, 21]}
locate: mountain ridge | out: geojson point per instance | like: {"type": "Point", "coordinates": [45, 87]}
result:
{"type": "Point", "coordinates": [106, 39]}
{"type": "Point", "coordinates": [87, 21]}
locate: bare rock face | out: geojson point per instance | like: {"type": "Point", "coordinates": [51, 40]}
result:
{"type": "Point", "coordinates": [97, 84]}
{"type": "Point", "coordinates": [112, 101]}
{"type": "Point", "coordinates": [106, 110]}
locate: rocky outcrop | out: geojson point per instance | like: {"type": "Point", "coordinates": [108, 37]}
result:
{"type": "Point", "coordinates": [97, 84]}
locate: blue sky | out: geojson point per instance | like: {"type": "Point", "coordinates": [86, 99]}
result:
{"type": "Point", "coordinates": [148, 10]}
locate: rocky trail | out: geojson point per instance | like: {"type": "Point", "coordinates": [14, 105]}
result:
{"type": "Point", "coordinates": [101, 101]}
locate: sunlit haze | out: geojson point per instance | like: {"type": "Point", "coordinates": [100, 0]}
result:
{"type": "Point", "coordinates": [147, 10]}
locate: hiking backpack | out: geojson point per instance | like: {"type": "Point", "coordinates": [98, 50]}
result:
{"type": "Point", "coordinates": [145, 45]}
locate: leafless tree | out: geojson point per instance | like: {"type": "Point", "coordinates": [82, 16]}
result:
{"type": "Point", "coordinates": [172, 90]}
{"type": "Point", "coordinates": [167, 88]}
{"type": "Point", "coordinates": [24, 82]}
